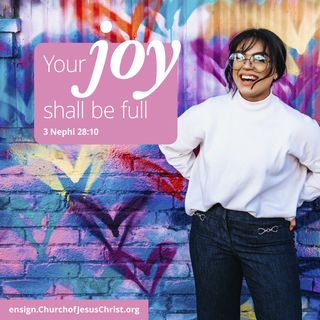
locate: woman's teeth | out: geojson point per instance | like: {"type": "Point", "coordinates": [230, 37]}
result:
{"type": "Point", "coordinates": [248, 78]}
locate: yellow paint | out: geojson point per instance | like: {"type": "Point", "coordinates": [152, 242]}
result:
{"type": "Point", "coordinates": [89, 156]}
{"type": "Point", "coordinates": [247, 312]}
{"type": "Point", "coordinates": [42, 161]}
{"type": "Point", "coordinates": [44, 172]}
{"type": "Point", "coordinates": [42, 169]}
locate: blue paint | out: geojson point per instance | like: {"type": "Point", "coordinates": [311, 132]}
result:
{"type": "Point", "coordinates": [10, 25]}
{"type": "Point", "coordinates": [186, 8]}
{"type": "Point", "coordinates": [312, 45]}
{"type": "Point", "coordinates": [25, 287]}
{"type": "Point", "coordinates": [6, 45]}
{"type": "Point", "coordinates": [294, 53]}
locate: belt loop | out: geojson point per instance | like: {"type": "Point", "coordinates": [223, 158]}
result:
{"type": "Point", "coordinates": [224, 213]}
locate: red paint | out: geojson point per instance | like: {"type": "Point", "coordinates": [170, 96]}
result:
{"type": "Point", "coordinates": [79, 14]}
{"type": "Point", "coordinates": [169, 183]}
{"type": "Point", "coordinates": [89, 13]}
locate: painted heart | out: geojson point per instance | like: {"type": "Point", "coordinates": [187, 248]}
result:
{"type": "Point", "coordinates": [121, 259]}
{"type": "Point", "coordinates": [88, 209]}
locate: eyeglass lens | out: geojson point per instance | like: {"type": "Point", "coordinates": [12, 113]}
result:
{"type": "Point", "coordinates": [258, 61]}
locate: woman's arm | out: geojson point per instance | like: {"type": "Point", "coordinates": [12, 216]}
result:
{"type": "Point", "coordinates": [190, 134]}
{"type": "Point", "coordinates": [308, 153]}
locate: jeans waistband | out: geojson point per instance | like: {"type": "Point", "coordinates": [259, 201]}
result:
{"type": "Point", "coordinates": [242, 216]}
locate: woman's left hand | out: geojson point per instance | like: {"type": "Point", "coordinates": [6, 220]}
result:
{"type": "Point", "coordinates": [292, 224]}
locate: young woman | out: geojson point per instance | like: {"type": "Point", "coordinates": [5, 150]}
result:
{"type": "Point", "coordinates": [259, 160]}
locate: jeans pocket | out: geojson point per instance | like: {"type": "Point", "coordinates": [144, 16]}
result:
{"type": "Point", "coordinates": [205, 225]}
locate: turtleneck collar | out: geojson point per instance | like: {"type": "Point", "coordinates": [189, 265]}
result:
{"type": "Point", "coordinates": [253, 105]}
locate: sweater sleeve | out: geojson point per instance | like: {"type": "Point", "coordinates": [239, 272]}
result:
{"type": "Point", "coordinates": [307, 143]}
{"type": "Point", "coordinates": [190, 135]}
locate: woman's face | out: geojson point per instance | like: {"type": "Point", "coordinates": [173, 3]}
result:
{"type": "Point", "coordinates": [247, 76]}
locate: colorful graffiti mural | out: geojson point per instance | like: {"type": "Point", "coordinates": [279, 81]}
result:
{"type": "Point", "coordinates": [107, 221]}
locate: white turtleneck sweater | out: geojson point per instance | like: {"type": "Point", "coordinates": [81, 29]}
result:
{"type": "Point", "coordinates": [254, 156]}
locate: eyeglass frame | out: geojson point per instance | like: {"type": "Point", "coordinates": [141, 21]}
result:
{"type": "Point", "coordinates": [250, 60]}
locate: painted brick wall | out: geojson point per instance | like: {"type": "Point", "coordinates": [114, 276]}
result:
{"type": "Point", "coordinates": [101, 222]}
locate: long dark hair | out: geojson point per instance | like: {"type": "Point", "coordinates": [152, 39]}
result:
{"type": "Point", "coordinates": [270, 42]}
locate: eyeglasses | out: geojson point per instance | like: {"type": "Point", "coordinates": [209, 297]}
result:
{"type": "Point", "coordinates": [258, 61]}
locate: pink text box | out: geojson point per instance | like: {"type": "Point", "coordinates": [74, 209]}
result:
{"type": "Point", "coordinates": [74, 309]}
{"type": "Point", "coordinates": [110, 115]}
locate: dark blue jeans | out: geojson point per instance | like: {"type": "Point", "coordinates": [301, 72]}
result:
{"type": "Point", "coordinates": [227, 245]}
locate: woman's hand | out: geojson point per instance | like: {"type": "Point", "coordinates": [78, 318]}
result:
{"type": "Point", "coordinates": [292, 224]}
